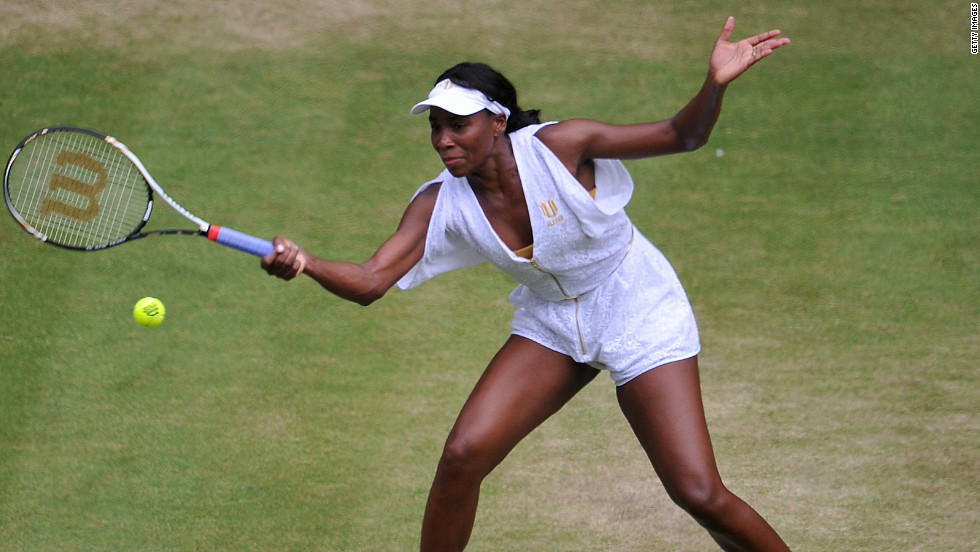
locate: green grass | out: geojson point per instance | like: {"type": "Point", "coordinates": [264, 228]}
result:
{"type": "Point", "coordinates": [832, 255]}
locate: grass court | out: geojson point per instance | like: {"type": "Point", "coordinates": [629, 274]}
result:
{"type": "Point", "coordinates": [828, 237]}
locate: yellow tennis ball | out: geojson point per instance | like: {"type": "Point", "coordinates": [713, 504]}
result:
{"type": "Point", "coordinates": [149, 312]}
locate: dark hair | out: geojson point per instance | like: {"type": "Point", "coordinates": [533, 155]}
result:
{"type": "Point", "coordinates": [486, 79]}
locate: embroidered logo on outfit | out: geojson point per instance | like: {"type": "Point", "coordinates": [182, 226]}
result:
{"type": "Point", "coordinates": [550, 210]}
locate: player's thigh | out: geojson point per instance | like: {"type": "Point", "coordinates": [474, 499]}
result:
{"type": "Point", "coordinates": [523, 386]}
{"type": "Point", "coordinates": [665, 410]}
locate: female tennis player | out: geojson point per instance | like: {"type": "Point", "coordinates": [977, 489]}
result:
{"type": "Point", "coordinates": [544, 203]}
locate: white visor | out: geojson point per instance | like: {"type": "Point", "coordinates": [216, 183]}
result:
{"type": "Point", "coordinates": [458, 100]}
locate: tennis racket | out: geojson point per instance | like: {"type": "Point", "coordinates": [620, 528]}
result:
{"type": "Point", "coordinates": [82, 190]}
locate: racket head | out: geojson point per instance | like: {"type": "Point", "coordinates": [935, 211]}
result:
{"type": "Point", "coordinates": [73, 187]}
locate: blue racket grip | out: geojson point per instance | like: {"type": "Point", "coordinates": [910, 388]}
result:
{"type": "Point", "coordinates": [240, 241]}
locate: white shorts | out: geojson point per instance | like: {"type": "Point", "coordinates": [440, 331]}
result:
{"type": "Point", "coordinates": [636, 320]}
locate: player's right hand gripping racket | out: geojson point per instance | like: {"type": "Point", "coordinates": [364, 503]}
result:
{"type": "Point", "coordinates": [83, 190]}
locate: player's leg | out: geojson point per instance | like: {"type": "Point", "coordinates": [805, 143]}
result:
{"type": "Point", "coordinates": [523, 385]}
{"type": "Point", "coordinates": [664, 409]}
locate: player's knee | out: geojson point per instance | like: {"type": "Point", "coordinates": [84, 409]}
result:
{"type": "Point", "coordinates": [464, 458]}
{"type": "Point", "coordinates": [708, 501]}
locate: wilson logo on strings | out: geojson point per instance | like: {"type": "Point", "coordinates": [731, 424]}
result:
{"type": "Point", "coordinates": [86, 190]}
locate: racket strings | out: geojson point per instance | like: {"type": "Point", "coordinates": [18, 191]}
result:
{"type": "Point", "coordinates": [78, 190]}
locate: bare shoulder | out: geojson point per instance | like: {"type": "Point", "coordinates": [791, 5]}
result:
{"type": "Point", "coordinates": [421, 207]}
{"type": "Point", "coordinates": [569, 140]}
{"type": "Point", "coordinates": [429, 193]}
{"type": "Point", "coordinates": [590, 139]}
{"type": "Point", "coordinates": [569, 132]}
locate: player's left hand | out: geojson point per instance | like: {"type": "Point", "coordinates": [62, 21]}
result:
{"type": "Point", "coordinates": [731, 59]}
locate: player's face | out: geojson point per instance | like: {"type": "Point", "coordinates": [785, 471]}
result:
{"type": "Point", "coordinates": [463, 143]}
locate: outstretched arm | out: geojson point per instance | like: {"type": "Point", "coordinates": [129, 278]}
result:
{"type": "Point", "coordinates": [576, 140]}
{"type": "Point", "coordinates": [366, 282]}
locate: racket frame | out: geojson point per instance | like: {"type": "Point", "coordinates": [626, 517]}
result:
{"type": "Point", "coordinates": [218, 234]}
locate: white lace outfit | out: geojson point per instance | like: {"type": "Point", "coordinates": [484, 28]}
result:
{"type": "Point", "coordinates": [595, 289]}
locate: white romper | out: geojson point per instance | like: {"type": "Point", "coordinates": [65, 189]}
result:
{"type": "Point", "coordinates": [595, 289]}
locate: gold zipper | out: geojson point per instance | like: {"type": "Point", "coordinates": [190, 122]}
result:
{"type": "Point", "coordinates": [578, 319]}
